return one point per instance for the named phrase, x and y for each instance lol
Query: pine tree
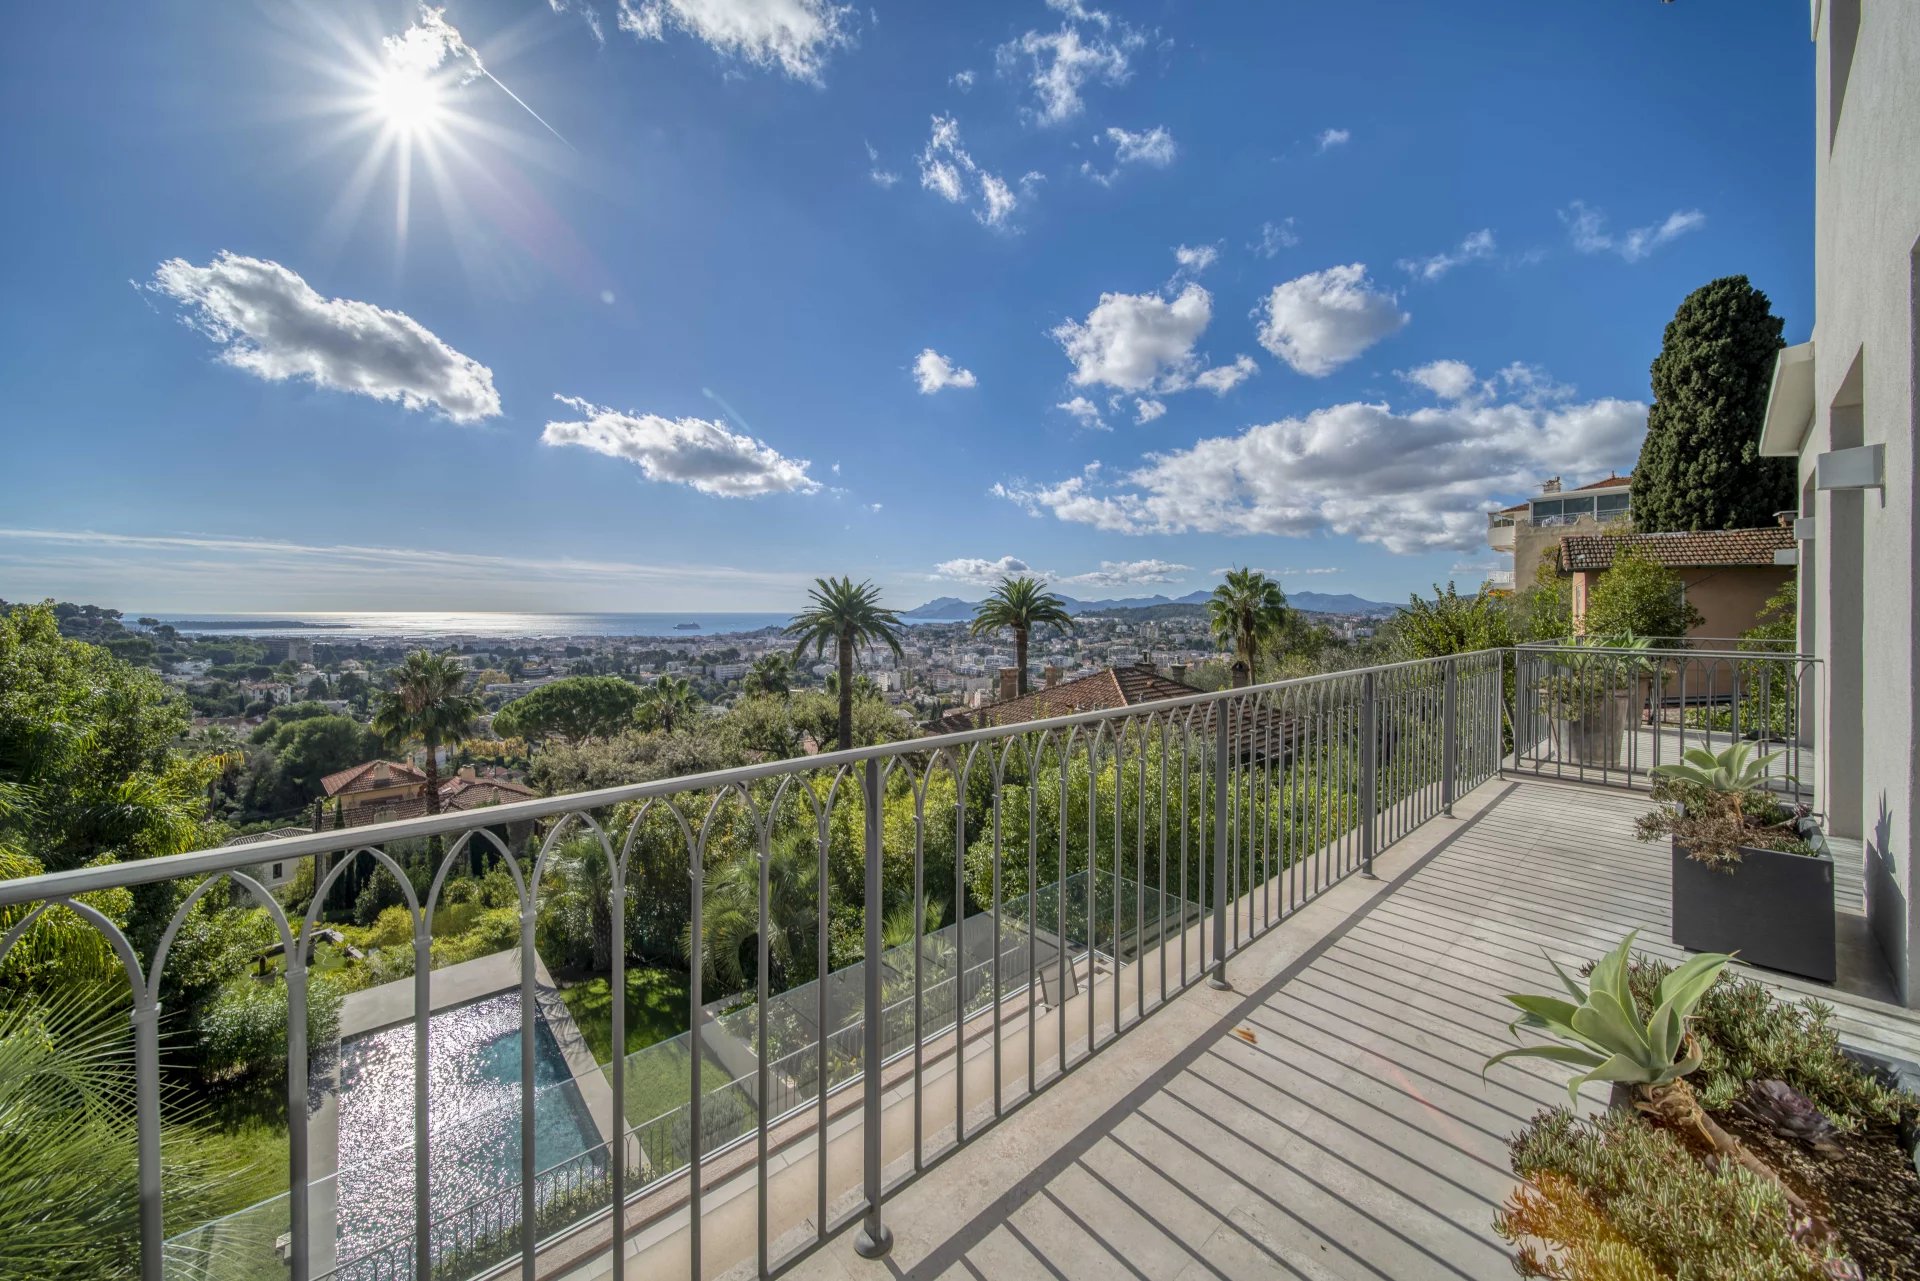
(1700, 467)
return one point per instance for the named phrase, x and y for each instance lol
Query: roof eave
(1789, 403)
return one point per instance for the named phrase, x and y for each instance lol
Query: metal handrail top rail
(82, 880)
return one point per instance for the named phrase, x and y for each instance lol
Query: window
(276, 873)
(1612, 506)
(1547, 508)
(1577, 507)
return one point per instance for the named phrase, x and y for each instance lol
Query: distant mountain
(952, 607)
(1344, 603)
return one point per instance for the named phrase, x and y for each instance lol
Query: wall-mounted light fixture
(1863, 467)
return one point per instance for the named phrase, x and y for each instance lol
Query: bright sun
(408, 102)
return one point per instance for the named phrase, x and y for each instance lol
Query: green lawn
(656, 1009)
(657, 1082)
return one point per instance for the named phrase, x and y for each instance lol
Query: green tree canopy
(1244, 611)
(86, 747)
(577, 709)
(846, 617)
(1019, 605)
(300, 754)
(425, 700)
(1638, 597)
(1700, 466)
(666, 702)
(1450, 624)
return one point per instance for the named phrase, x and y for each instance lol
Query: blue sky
(675, 304)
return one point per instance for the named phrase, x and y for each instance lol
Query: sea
(418, 626)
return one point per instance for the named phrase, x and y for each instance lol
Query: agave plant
(1607, 1036)
(1733, 772)
(1602, 1031)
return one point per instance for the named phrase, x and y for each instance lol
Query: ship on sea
(686, 627)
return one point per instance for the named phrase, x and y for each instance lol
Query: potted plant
(1749, 874)
(1588, 694)
(1741, 1139)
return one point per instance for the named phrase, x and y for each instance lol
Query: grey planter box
(1774, 909)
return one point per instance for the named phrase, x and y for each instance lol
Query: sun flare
(408, 103)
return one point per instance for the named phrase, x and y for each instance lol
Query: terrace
(1259, 934)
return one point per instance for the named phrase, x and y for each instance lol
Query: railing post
(1218, 978)
(1449, 731)
(874, 1239)
(1369, 772)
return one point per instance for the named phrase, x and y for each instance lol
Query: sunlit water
(473, 1084)
(346, 627)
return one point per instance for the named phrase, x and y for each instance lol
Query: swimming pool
(473, 1093)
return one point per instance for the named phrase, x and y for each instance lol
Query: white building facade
(1844, 405)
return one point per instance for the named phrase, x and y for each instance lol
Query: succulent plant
(1790, 1114)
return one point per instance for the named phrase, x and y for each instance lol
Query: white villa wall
(1861, 574)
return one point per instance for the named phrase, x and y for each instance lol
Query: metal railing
(1610, 715)
(1228, 809)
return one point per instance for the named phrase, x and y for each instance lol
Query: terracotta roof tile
(1608, 482)
(1677, 550)
(361, 777)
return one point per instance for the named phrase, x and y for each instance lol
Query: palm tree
(425, 699)
(847, 616)
(770, 674)
(667, 701)
(1021, 604)
(1245, 610)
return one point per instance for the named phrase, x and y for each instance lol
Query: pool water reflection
(473, 1092)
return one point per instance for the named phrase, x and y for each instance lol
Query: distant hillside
(952, 607)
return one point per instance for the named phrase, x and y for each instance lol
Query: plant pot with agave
(1740, 1142)
(1750, 875)
(1588, 694)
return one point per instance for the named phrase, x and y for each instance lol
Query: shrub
(1746, 1034)
(243, 1031)
(1656, 1209)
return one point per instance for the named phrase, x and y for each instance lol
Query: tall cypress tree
(1700, 467)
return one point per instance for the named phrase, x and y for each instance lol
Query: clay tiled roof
(362, 777)
(1608, 482)
(1116, 687)
(1678, 550)
(472, 793)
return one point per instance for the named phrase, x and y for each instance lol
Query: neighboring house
(371, 792)
(1726, 574)
(1259, 730)
(1531, 531)
(1843, 406)
(272, 875)
(382, 791)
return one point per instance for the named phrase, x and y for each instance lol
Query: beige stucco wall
(1731, 598)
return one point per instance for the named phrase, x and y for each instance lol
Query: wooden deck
(1327, 1118)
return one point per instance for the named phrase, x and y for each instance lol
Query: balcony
(1259, 935)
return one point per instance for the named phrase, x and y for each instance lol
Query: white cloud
(1084, 412)
(1587, 228)
(1194, 259)
(1079, 12)
(1154, 147)
(1061, 63)
(1447, 379)
(1320, 321)
(417, 53)
(276, 326)
(1222, 379)
(1145, 343)
(1128, 573)
(1133, 342)
(1275, 236)
(795, 35)
(981, 572)
(588, 14)
(962, 80)
(882, 176)
(933, 371)
(1331, 138)
(1476, 246)
(689, 451)
(1146, 409)
(949, 171)
(1277, 574)
(1408, 482)
(196, 571)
